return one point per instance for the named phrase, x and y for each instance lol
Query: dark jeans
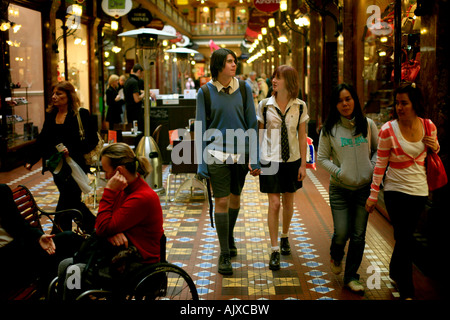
(350, 221)
(404, 211)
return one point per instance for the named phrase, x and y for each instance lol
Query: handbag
(436, 175)
(92, 156)
(409, 68)
(104, 261)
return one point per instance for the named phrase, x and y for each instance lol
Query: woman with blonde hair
(129, 211)
(114, 102)
(61, 128)
(129, 220)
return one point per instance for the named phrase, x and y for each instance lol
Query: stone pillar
(315, 74)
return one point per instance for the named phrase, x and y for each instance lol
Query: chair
(30, 211)
(188, 167)
(156, 132)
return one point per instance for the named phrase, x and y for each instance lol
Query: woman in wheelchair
(129, 224)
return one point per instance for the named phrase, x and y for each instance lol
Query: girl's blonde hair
(120, 154)
(112, 79)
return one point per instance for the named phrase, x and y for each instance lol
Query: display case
(20, 129)
(378, 71)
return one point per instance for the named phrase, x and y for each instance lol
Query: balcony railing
(218, 29)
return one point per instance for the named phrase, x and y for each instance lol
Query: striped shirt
(391, 153)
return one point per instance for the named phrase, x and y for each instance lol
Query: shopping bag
(79, 176)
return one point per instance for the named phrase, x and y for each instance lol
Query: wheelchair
(158, 281)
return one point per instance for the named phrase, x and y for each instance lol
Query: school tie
(226, 90)
(284, 137)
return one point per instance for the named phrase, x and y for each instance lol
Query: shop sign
(140, 17)
(117, 8)
(267, 5)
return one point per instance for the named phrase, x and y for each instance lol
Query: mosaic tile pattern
(304, 275)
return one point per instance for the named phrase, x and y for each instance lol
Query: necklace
(60, 118)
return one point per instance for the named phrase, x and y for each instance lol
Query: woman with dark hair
(403, 147)
(61, 127)
(282, 112)
(347, 150)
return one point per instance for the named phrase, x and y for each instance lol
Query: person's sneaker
(284, 246)
(355, 286)
(225, 264)
(233, 248)
(336, 266)
(274, 263)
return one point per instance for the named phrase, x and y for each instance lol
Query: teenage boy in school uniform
(223, 159)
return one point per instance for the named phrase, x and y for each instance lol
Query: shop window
(378, 70)
(241, 14)
(222, 20)
(205, 15)
(77, 60)
(26, 67)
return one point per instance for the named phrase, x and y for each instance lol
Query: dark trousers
(23, 261)
(404, 211)
(70, 198)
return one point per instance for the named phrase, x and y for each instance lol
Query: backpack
(207, 97)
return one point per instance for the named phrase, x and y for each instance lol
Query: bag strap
(207, 98)
(80, 126)
(265, 112)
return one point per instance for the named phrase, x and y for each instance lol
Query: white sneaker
(336, 267)
(355, 286)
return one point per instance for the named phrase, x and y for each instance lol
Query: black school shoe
(232, 247)
(274, 263)
(225, 267)
(285, 247)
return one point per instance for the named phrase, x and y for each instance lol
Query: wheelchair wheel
(165, 281)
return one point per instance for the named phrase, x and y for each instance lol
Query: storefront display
(25, 104)
(378, 71)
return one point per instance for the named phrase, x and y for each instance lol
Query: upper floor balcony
(218, 29)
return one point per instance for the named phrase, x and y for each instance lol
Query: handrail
(199, 29)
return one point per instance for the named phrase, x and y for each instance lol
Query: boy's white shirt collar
(234, 84)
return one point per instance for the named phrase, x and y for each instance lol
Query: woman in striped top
(403, 146)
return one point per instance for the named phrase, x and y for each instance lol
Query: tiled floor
(304, 275)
